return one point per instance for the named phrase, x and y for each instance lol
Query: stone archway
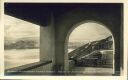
(65, 22)
(66, 57)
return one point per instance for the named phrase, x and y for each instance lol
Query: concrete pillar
(47, 41)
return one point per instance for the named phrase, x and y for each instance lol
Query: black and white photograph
(67, 39)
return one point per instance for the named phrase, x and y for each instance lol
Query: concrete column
(47, 41)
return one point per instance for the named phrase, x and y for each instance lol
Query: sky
(90, 31)
(16, 28)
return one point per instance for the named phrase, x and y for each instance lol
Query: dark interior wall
(109, 16)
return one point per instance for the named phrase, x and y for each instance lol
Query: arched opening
(90, 49)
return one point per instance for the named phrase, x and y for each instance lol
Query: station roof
(39, 13)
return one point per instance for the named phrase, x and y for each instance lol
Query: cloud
(16, 28)
(89, 32)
